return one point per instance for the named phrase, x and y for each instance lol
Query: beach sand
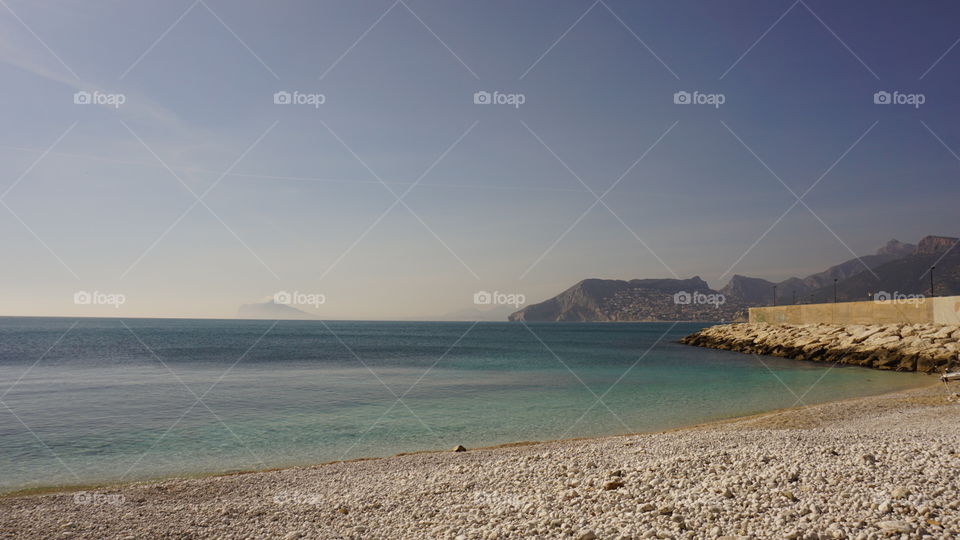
(875, 467)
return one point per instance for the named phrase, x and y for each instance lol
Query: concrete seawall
(928, 348)
(905, 310)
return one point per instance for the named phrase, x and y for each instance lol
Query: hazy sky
(303, 197)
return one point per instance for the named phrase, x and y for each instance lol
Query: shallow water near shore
(110, 400)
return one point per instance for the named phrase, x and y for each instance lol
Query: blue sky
(105, 198)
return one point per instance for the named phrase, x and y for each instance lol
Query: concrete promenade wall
(940, 310)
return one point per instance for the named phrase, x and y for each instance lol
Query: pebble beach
(877, 467)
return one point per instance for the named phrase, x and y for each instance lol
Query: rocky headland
(927, 348)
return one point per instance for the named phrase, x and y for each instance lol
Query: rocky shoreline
(866, 468)
(927, 348)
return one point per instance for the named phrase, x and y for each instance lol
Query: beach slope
(876, 467)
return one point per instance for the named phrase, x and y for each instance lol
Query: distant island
(271, 310)
(900, 267)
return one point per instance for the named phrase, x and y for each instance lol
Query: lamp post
(774, 295)
(834, 290)
(932, 294)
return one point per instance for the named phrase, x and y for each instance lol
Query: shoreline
(856, 468)
(73, 488)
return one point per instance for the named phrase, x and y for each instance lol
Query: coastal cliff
(927, 348)
(615, 300)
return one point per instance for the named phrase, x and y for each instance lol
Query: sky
(432, 150)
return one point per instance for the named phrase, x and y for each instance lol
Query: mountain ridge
(890, 268)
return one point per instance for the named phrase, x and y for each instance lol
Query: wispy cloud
(21, 50)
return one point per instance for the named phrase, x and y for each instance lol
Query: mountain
(271, 310)
(899, 265)
(582, 302)
(897, 248)
(932, 245)
(906, 275)
(609, 300)
(795, 290)
(748, 290)
(891, 251)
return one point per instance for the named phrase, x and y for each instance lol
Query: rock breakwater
(928, 348)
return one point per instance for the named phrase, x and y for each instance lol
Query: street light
(834, 290)
(931, 281)
(774, 295)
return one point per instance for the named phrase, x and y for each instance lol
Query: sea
(98, 401)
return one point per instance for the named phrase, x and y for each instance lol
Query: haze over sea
(109, 400)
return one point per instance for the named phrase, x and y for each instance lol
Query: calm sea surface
(105, 400)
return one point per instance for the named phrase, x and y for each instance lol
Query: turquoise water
(105, 402)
